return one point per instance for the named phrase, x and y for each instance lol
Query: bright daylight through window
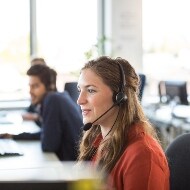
(166, 41)
(65, 31)
(68, 29)
(14, 48)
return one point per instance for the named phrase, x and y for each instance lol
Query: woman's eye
(91, 91)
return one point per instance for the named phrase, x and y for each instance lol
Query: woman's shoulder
(145, 148)
(140, 142)
(142, 159)
(144, 144)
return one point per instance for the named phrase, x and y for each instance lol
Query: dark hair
(53, 79)
(45, 74)
(38, 60)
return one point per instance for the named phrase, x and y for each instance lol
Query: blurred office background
(154, 35)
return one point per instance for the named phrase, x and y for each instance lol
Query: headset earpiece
(120, 97)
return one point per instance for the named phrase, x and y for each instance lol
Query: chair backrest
(142, 85)
(178, 154)
(71, 88)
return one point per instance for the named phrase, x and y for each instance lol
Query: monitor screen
(173, 91)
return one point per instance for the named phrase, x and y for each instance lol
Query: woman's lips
(85, 112)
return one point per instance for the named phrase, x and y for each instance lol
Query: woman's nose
(81, 99)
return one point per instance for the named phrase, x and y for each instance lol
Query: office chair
(178, 154)
(142, 78)
(71, 88)
(172, 90)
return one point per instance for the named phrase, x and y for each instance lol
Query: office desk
(33, 157)
(170, 121)
(37, 169)
(12, 122)
(34, 170)
(14, 105)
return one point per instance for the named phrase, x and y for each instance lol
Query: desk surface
(38, 166)
(14, 105)
(33, 157)
(42, 170)
(34, 163)
(12, 122)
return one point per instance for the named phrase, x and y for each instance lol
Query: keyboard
(9, 147)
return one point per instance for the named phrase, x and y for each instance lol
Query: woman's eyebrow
(87, 86)
(90, 85)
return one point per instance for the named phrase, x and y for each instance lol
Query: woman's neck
(106, 129)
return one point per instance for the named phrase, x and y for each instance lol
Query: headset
(120, 97)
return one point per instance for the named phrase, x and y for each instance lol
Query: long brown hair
(130, 112)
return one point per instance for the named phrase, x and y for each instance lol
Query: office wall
(123, 29)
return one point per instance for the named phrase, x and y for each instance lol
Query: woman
(119, 139)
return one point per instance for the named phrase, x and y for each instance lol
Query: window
(14, 48)
(166, 41)
(65, 31)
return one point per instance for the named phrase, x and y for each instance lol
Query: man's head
(39, 82)
(38, 61)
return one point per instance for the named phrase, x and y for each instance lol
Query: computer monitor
(175, 91)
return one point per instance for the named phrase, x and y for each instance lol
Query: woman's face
(95, 98)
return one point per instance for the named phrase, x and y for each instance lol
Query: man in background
(61, 118)
(32, 112)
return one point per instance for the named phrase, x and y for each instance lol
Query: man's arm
(22, 136)
(27, 136)
(51, 127)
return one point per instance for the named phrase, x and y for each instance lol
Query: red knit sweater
(142, 166)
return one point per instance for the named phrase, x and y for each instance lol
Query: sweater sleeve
(51, 127)
(61, 126)
(27, 136)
